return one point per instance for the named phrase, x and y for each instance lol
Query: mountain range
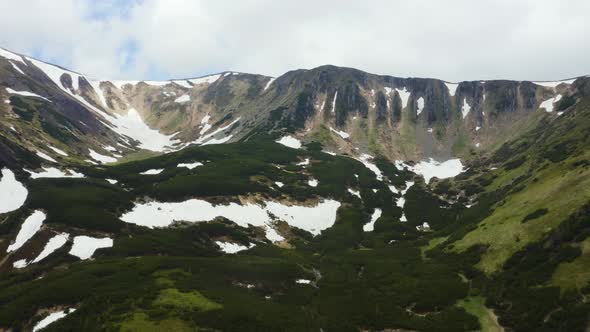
(327, 199)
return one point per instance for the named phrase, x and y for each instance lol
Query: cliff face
(413, 117)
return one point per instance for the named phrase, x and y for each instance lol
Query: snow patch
(190, 165)
(52, 172)
(290, 141)
(58, 151)
(132, 125)
(303, 281)
(152, 171)
(465, 108)
(232, 248)
(334, 102)
(85, 246)
(340, 133)
(25, 94)
(279, 184)
(452, 87)
(16, 67)
(442, 170)
(100, 157)
(11, 56)
(404, 95)
(51, 318)
(554, 84)
(52, 245)
(183, 99)
(269, 83)
(183, 83)
(548, 104)
(303, 163)
(12, 193)
(206, 79)
(313, 182)
(96, 86)
(112, 181)
(205, 140)
(45, 156)
(354, 192)
(313, 219)
(365, 159)
(30, 226)
(370, 226)
(420, 105)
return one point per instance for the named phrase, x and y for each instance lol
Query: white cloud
(453, 40)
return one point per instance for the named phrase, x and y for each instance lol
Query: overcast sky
(162, 39)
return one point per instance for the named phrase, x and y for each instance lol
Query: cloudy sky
(160, 39)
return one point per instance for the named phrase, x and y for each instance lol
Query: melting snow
(303, 163)
(273, 236)
(555, 83)
(370, 226)
(96, 86)
(401, 202)
(424, 227)
(313, 219)
(25, 94)
(232, 248)
(452, 87)
(51, 318)
(152, 171)
(548, 104)
(52, 245)
(206, 79)
(404, 95)
(12, 193)
(45, 156)
(354, 192)
(20, 264)
(205, 124)
(465, 108)
(52, 172)
(85, 246)
(133, 126)
(393, 189)
(11, 56)
(183, 83)
(100, 157)
(218, 140)
(206, 139)
(342, 134)
(29, 227)
(58, 151)
(442, 170)
(334, 102)
(290, 141)
(190, 165)
(364, 158)
(268, 83)
(183, 99)
(420, 105)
